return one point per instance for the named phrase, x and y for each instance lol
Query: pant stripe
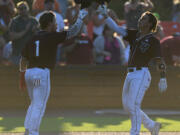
(31, 106)
(47, 95)
(44, 101)
(140, 86)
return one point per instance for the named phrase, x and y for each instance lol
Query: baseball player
(38, 58)
(145, 49)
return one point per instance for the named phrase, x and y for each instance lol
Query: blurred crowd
(95, 44)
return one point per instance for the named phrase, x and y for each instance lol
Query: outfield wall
(80, 87)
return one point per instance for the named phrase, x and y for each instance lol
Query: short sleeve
(59, 37)
(131, 36)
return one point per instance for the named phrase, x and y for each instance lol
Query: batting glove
(162, 85)
(82, 14)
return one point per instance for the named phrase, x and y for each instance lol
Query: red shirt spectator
(7, 10)
(38, 6)
(79, 50)
(170, 47)
(72, 13)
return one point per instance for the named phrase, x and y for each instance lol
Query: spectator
(90, 25)
(109, 49)
(21, 29)
(133, 10)
(3, 37)
(3, 30)
(170, 47)
(176, 11)
(159, 31)
(49, 5)
(38, 6)
(98, 22)
(72, 12)
(6, 54)
(79, 50)
(7, 10)
(63, 7)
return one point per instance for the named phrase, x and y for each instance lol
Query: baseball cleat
(155, 130)
(26, 132)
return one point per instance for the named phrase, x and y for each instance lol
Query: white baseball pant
(135, 86)
(38, 85)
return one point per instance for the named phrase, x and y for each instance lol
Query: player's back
(41, 50)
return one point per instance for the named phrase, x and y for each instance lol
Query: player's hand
(82, 14)
(162, 85)
(102, 9)
(22, 82)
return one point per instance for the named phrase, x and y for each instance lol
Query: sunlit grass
(67, 124)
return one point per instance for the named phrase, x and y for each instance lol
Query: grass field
(85, 124)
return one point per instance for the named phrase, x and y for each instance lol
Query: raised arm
(148, 4)
(112, 24)
(159, 63)
(76, 27)
(102, 9)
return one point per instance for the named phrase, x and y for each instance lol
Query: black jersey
(41, 50)
(143, 49)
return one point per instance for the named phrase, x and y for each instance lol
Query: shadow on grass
(63, 124)
(75, 124)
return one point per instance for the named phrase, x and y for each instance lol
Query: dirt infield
(95, 133)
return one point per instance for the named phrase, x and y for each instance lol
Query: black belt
(132, 69)
(37, 67)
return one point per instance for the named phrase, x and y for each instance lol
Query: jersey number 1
(37, 48)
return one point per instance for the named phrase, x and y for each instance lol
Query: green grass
(52, 124)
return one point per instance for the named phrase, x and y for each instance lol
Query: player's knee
(39, 106)
(125, 108)
(130, 108)
(137, 104)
